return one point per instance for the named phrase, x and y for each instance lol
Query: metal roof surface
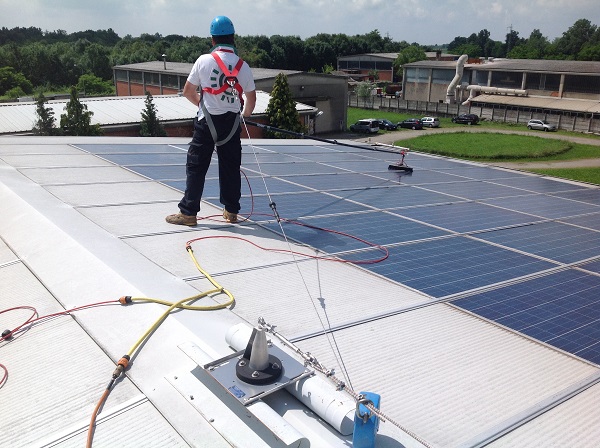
(184, 68)
(78, 227)
(20, 117)
(521, 65)
(576, 105)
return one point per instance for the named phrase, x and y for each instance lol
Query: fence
(569, 121)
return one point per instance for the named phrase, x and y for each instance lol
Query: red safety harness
(231, 80)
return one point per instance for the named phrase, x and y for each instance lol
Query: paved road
(391, 137)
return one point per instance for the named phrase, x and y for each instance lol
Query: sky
(427, 22)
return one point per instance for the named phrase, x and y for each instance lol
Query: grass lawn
(489, 146)
(590, 175)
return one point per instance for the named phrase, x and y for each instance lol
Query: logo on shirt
(218, 79)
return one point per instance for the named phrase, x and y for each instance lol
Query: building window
(383, 65)
(482, 78)
(367, 65)
(170, 81)
(582, 84)
(533, 81)
(152, 79)
(136, 77)
(121, 75)
(440, 76)
(541, 81)
(510, 80)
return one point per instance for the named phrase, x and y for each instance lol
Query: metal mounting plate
(223, 372)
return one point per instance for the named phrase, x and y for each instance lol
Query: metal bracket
(223, 371)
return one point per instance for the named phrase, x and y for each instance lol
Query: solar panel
(591, 221)
(552, 240)
(466, 216)
(395, 196)
(455, 265)
(538, 184)
(561, 309)
(590, 195)
(523, 229)
(475, 190)
(546, 206)
(359, 225)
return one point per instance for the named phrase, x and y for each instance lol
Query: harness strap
(230, 77)
(213, 129)
(231, 81)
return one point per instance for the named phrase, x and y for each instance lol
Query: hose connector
(121, 366)
(125, 300)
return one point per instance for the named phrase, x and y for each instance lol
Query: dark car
(411, 123)
(387, 125)
(466, 119)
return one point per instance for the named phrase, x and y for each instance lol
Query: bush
(14, 93)
(93, 85)
(11, 79)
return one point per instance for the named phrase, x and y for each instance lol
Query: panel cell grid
(562, 309)
(415, 215)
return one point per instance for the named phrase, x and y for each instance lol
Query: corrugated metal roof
(540, 65)
(521, 65)
(80, 229)
(184, 68)
(575, 105)
(20, 117)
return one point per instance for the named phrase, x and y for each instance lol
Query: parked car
(430, 122)
(540, 125)
(411, 123)
(368, 126)
(466, 119)
(387, 125)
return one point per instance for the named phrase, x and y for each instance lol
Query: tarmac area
(394, 136)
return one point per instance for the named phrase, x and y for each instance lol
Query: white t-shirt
(206, 73)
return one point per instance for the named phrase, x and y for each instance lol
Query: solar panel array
(520, 250)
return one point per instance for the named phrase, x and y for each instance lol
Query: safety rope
(311, 361)
(330, 337)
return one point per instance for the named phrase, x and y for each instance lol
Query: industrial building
(363, 66)
(327, 93)
(567, 91)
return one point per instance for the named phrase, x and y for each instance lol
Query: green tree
(575, 38)
(512, 40)
(93, 85)
(151, 127)
(412, 53)
(473, 50)
(11, 79)
(364, 90)
(327, 69)
(281, 111)
(535, 47)
(77, 120)
(45, 123)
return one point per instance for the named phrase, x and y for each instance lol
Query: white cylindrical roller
(337, 408)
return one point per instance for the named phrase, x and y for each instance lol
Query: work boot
(181, 219)
(229, 217)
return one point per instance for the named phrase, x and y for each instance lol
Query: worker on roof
(224, 80)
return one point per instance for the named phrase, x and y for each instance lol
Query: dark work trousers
(198, 160)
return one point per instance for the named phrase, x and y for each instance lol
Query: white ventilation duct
(475, 89)
(450, 93)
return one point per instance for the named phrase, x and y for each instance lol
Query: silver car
(540, 125)
(430, 122)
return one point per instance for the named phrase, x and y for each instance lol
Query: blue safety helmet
(221, 26)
